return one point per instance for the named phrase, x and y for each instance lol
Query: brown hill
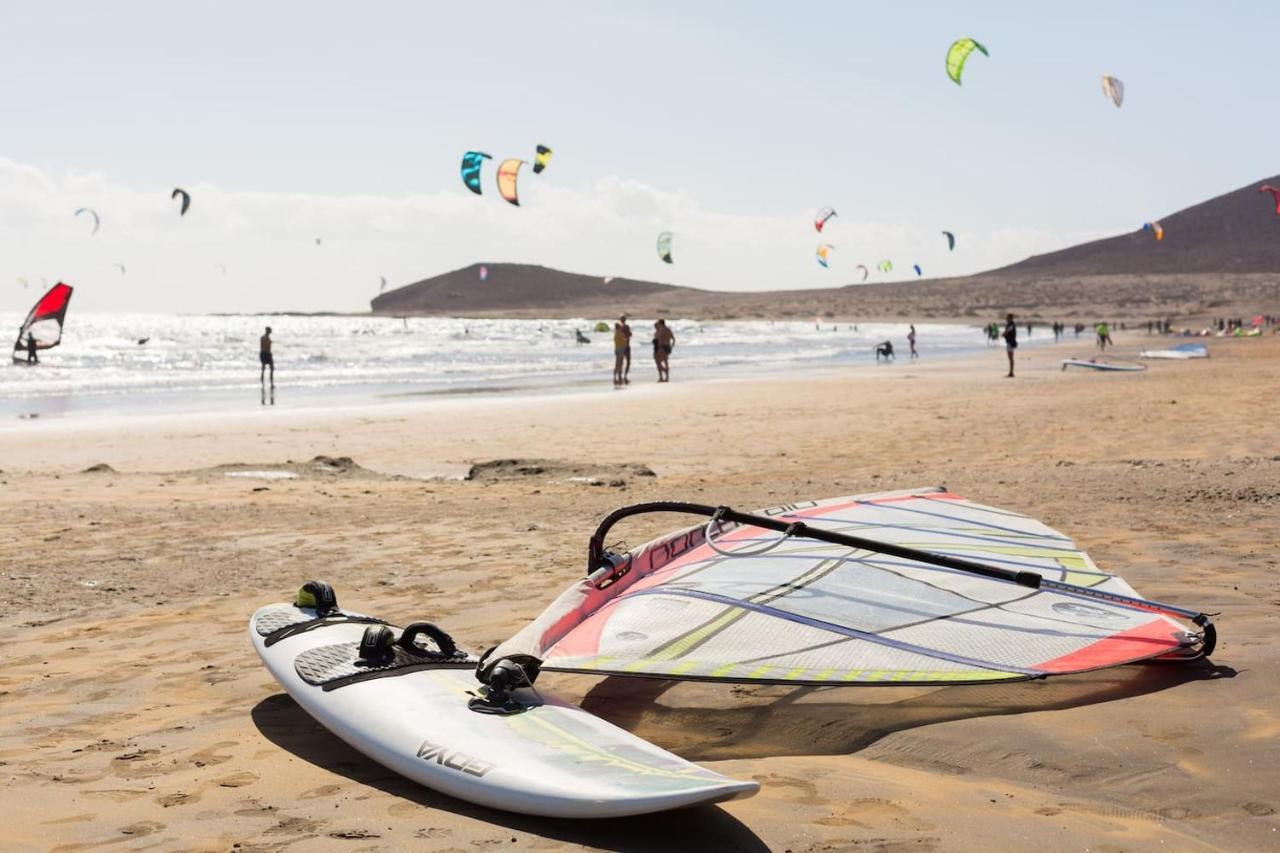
(516, 289)
(1238, 232)
(1220, 257)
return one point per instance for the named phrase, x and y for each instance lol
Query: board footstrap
(331, 667)
(279, 623)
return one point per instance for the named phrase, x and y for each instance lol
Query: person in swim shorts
(664, 340)
(621, 352)
(265, 357)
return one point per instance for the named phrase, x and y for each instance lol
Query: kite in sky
(951, 240)
(121, 268)
(508, 171)
(1275, 195)
(919, 272)
(664, 246)
(822, 217)
(958, 55)
(471, 163)
(96, 221)
(1113, 89)
(1155, 228)
(541, 159)
(384, 283)
(885, 266)
(824, 254)
(178, 192)
(865, 272)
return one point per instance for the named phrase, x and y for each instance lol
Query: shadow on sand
(282, 722)
(760, 721)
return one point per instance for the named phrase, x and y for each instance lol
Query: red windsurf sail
(45, 320)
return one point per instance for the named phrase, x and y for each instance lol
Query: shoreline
(329, 409)
(376, 392)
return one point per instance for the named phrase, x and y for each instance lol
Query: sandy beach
(135, 715)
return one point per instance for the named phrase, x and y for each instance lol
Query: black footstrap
(337, 618)
(379, 656)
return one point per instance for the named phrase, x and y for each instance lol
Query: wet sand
(134, 714)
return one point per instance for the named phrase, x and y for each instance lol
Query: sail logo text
(453, 759)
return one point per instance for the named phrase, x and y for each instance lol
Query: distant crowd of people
(664, 341)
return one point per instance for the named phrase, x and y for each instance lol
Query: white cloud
(267, 241)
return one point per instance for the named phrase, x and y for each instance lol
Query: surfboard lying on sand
(402, 698)
(1101, 365)
(1182, 352)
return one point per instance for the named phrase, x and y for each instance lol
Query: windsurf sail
(907, 587)
(44, 322)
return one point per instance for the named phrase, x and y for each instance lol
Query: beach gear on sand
(401, 697)
(1102, 365)
(1181, 351)
(915, 587)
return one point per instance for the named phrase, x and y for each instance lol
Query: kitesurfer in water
(32, 358)
(1010, 341)
(264, 356)
(621, 351)
(664, 340)
(911, 342)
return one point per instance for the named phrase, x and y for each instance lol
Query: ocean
(197, 363)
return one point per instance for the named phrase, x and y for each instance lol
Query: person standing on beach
(1104, 335)
(32, 358)
(265, 357)
(911, 342)
(621, 351)
(664, 340)
(1010, 341)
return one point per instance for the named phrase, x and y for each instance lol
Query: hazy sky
(729, 124)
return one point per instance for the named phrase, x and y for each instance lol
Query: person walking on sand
(621, 352)
(1104, 335)
(1010, 341)
(32, 358)
(265, 357)
(911, 342)
(664, 340)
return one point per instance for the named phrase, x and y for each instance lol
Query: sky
(729, 124)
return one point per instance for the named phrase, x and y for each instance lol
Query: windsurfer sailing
(1010, 341)
(264, 356)
(32, 358)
